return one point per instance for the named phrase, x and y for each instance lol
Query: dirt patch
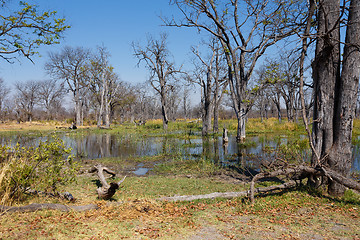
(36, 126)
(208, 232)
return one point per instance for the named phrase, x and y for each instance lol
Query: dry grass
(293, 215)
(34, 126)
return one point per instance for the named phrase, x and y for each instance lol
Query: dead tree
(225, 136)
(106, 191)
(245, 35)
(156, 57)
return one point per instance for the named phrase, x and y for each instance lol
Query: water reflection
(107, 145)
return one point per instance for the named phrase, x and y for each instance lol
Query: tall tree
(336, 81)
(102, 82)
(50, 94)
(123, 100)
(156, 57)
(24, 30)
(186, 101)
(246, 29)
(26, 98)
(210, 72)
(4, 91)
(69, 65)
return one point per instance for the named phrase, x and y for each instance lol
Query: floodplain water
(249, 154)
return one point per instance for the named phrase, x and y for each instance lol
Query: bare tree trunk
(185, 102)
(241, 134)
(326, 72)
(101, 110)
(206, 118)
(216, 116)
(164, 110)
(107, 105)
(218, 96)
(278, 108)
(77, 109)
(345, 102)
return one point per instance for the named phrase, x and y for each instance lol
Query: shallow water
(107, 145)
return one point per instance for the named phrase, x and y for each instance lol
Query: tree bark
(207, 102)
(107, 105)
(326, 73)
(335, 91)
(77, 107)
(101, 109)
(345, 102)
(164, 109)
(229, 194)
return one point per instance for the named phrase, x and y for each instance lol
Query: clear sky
(112, 23)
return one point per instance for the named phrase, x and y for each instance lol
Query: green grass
(135, 213)
(195, 167)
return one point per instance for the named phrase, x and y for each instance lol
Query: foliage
(26, 29)
(294, 150)
(38, 168)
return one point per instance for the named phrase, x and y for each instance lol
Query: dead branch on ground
(106, 191)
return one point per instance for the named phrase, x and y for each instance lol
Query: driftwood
(102, 127)
(106, 191)
(229, 194)
(49, 206)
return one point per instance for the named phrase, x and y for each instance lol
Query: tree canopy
(24, 30)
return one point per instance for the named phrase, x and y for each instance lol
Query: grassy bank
(253, 126)
(153, 127)
(136, 213)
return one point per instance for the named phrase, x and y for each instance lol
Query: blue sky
(112, 23)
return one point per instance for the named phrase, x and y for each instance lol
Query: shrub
(41, 168)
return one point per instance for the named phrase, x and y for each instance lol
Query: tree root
(300, 172)
(293, 173)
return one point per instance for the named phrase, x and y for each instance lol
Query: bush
(41, 168)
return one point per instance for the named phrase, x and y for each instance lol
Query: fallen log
(102, 127)
(46, 206)
(106, 191)
(229, 195)
(65, 195)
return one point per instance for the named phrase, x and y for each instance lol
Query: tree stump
(225, 136)
(106, 191)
